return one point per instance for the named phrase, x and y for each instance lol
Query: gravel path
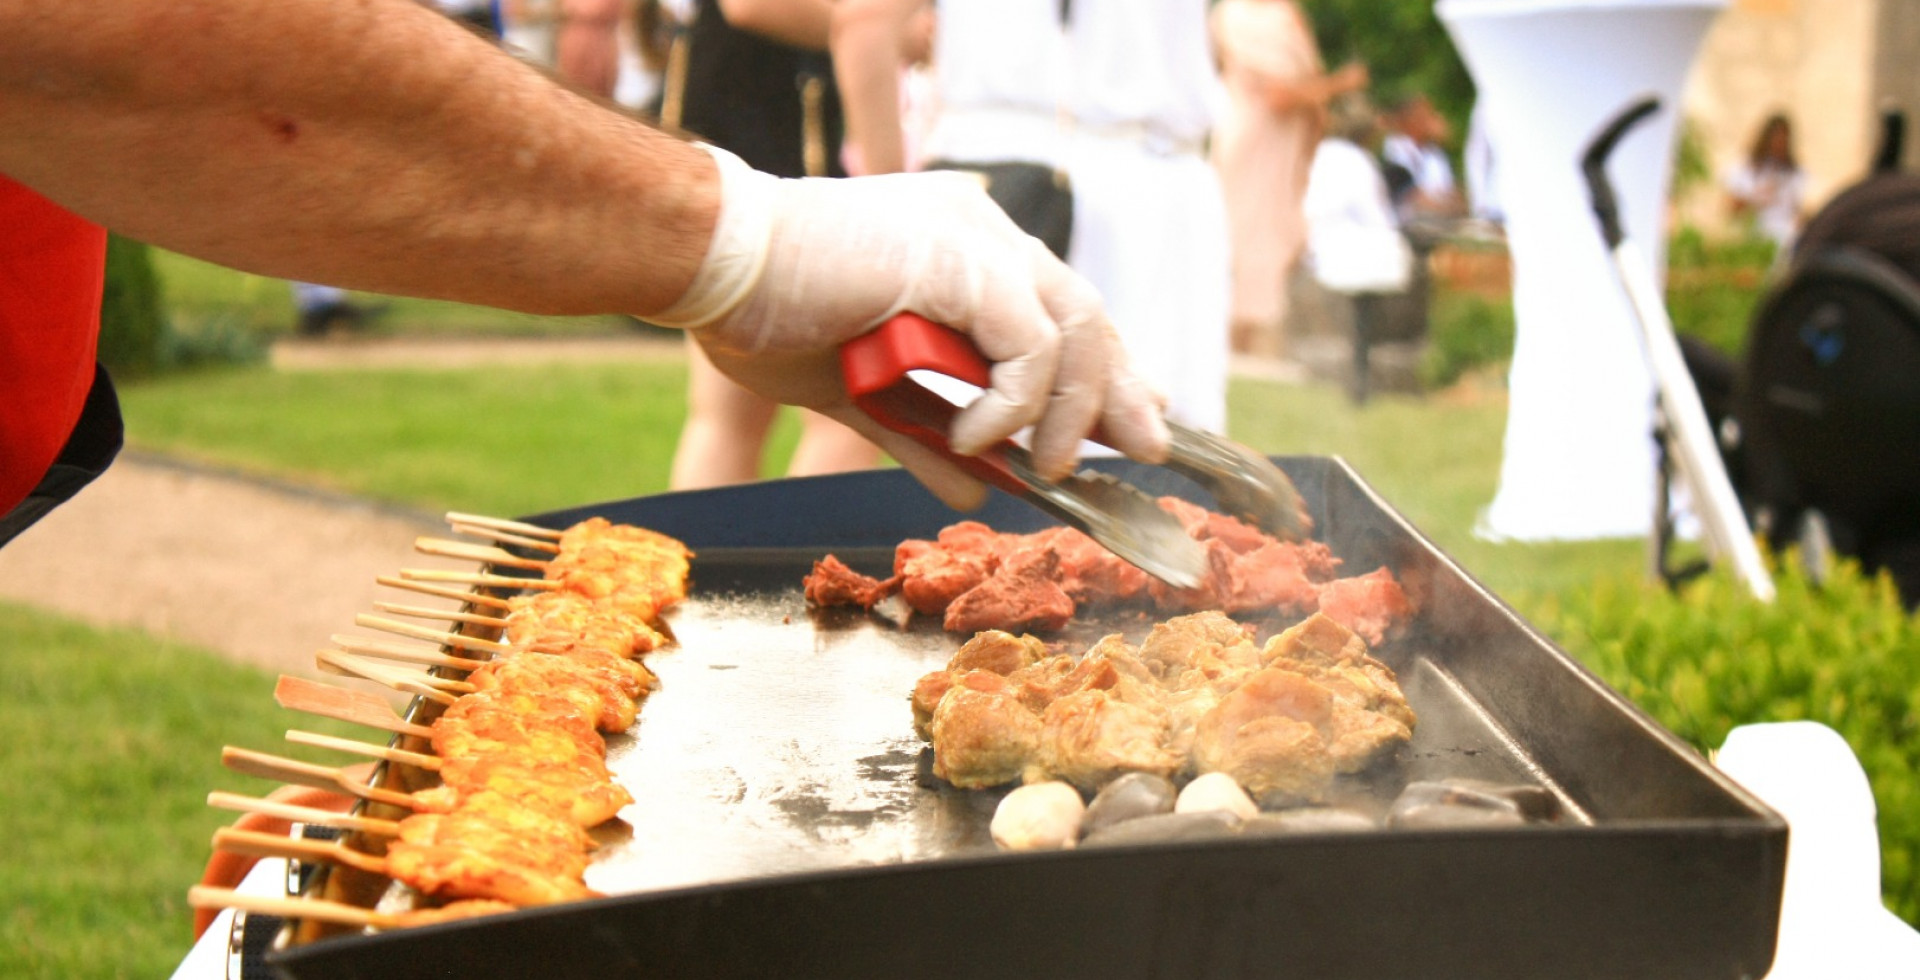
(258, 572)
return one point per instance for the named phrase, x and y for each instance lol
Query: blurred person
(482, 16)
(1355, 245)
(586, 44)
(319, 308)
(1768, 188)
(1119, 95)
(399, 154)
(757, 83)
(1277, 92)
(1419, 173)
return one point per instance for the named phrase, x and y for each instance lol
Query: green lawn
(201, 295)
(109, 743)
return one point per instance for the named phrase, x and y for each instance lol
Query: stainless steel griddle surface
(783, 829)
(781, 741)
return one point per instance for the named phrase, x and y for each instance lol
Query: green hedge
(1709, 658)
(133, 322)
(138, 339)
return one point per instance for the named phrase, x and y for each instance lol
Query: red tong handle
(874, 366)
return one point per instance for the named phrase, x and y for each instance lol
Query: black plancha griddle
(785, 826)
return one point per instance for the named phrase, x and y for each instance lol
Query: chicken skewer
(501, 524)
(339, 913)
(489, 848)
(516, 748)
(477, 598)
(547, 545)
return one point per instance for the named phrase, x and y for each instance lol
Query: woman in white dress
(1118, 93)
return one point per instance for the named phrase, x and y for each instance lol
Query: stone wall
(1829, 64)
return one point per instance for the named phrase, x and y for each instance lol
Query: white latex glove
(799, 267)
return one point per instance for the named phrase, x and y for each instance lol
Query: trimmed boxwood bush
(133, 325)
(1709, 658)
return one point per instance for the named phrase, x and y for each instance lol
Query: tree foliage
(1404, 46)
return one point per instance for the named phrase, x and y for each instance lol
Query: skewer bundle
(518, 749)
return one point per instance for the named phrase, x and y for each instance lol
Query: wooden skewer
(340, 704)
(303, 814)
(517, 527)
(403, 653)
(447, 615)
(317, 910)
(250, 763)
(368, 749)
(478, 578)
(459, 595)
(460, 640)
(253, 843)
(346, 664)
(503, 537)
(443, 548)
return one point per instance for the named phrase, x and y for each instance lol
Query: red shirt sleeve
(52, 266)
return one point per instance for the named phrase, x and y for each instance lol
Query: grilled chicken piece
(460, 870)
(1021, 594)
(990, 650)
(1197, 641)
(562, 621)
(585, 791)
(1089, 738)
(934, 573)
(611, 697)
(1089, 573)
(982, 734)
(1330, 653)
(1266, 734)
(639, 571)
(493, 847)
(1372, 605)
(832, 583)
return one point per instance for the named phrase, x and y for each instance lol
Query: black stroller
(1820, 426)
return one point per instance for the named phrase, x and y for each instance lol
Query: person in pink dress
(1277, 93)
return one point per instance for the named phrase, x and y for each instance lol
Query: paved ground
(261, 572)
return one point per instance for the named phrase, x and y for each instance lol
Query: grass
(203, 296)
(109, 741)
(499, 440)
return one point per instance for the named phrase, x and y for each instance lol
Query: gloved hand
(798, 267)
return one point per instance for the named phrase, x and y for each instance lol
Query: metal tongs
(1113, 512)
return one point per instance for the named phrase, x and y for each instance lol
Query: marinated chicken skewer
(490, 847)
(339, 913)
(502, 524)
(546, 765)
(458, 595)
(590, 660)
(518, 747)
(548, 545)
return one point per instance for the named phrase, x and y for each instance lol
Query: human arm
(375, 145)
(587, 49)
(372, 145)
(800, 23)
(870, 40)
(1314, 91)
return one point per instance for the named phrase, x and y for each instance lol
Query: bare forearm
(800, 23)
(868, 45)
(366, 143)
